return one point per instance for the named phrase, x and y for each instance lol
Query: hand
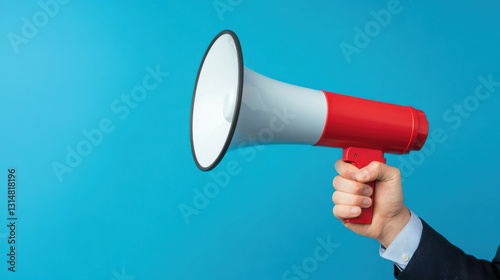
(390, 215)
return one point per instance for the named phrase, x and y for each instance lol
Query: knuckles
(375, 165)
(348, 186)
(395, 171)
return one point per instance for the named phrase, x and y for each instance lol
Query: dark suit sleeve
(436, 258)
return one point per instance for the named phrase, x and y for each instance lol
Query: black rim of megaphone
(238, 100)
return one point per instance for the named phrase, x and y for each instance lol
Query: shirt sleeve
(405, 244)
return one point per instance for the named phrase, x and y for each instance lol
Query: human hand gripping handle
(352, 194)
(360, 158)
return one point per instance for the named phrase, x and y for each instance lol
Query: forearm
(436, 258)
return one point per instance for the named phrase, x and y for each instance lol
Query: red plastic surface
(363, 123)
(360, 158)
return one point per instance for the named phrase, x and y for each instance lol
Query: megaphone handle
(361, 157)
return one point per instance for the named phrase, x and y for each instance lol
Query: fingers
(343, 212)
(352, 194)
(349, 205)
(377, 171)
(349, 186)
(349, 196)
(347, 199)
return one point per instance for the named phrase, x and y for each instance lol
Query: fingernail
(367, 192)
(366, 202)
(354, 210)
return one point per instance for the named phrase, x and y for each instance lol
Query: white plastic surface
(215, 100)
(273, 112)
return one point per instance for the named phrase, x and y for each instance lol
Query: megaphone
(233, 104)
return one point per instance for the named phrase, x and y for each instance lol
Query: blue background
(116, 215)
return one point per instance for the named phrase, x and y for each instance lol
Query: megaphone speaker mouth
(216, 100)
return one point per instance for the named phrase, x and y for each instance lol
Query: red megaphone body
(366, 129)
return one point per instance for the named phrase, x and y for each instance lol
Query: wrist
(394, 227)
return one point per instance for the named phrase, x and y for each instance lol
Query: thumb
(377, 171)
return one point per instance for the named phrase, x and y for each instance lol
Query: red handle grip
(360, 158)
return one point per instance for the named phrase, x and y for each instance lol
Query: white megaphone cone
(234, 107)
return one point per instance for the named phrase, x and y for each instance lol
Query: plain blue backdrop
(114, 213)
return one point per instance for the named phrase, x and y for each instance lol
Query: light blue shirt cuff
(405, 244)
